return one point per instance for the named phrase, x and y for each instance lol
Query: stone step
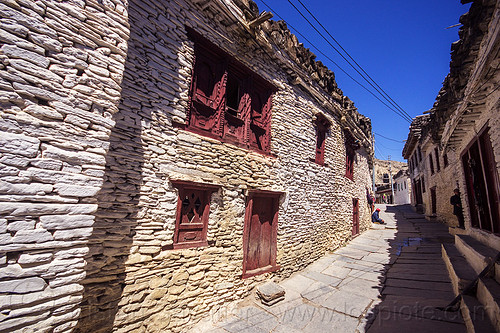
(474, 315)
(477, 254)
(459, 270)
(488, 293)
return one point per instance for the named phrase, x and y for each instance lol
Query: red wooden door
(355, 217)
(260, 233)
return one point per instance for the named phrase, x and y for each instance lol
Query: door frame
(489, 181)
(275, 196)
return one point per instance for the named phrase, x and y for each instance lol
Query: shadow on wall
(119, 207)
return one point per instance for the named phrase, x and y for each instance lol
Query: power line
(359, 66)
(393, 149)
(401, 114)
(398, 141)
(327, 57)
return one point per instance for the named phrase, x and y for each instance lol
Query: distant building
(384, 169)
(402, 188)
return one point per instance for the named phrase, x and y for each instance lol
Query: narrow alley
(389, 279)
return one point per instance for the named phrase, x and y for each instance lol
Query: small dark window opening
(233, 95)
(445, 160)
(350, 155)
(436, 152)
(431, 164)
(386, 178)
(423, 184)
(192, 214)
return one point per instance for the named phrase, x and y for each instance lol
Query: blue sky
(402, 44)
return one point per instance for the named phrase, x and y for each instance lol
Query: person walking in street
(376, 218)
(457, 208)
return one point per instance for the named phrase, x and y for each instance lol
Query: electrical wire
(327, 57)
(401, 114)
(381, 91)
(338, 66)
(398, 141)
(393, 149)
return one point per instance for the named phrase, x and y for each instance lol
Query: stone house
(159, 159)
(402, 188)
(456, 145)
(385, 170)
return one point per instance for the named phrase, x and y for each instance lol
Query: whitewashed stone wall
(89, 91)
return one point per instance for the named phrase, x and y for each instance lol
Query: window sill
(229, 141)
(313, 160)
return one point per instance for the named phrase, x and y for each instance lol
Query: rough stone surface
(270, 291)
(94, 98)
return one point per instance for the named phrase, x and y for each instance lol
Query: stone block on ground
(270, 293)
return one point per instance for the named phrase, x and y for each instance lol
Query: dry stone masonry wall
(61, 67)
(90, 94)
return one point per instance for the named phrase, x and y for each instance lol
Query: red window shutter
(322, 126)
(237, 104)
(350, 155)
(207, 91)
(193, 208)
(260, 116)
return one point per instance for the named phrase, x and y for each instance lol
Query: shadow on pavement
(416, 280)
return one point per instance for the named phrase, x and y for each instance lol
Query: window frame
(248, 128)
(350, 154)
(184, 187)
(438, 166)
(322, 128)
(445, 160)
(431, 163)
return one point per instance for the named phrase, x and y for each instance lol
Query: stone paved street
(389, 279)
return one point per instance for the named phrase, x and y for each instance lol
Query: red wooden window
(350, 147)
(322, 126)
(193, 207)
(228, 101)
(260, 117)
(207, 92)
(260, 233)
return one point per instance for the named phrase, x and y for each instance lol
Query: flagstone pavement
(390, 278)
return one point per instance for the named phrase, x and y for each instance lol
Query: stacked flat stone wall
(445, 181)
(90, 92)
(61, 67)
